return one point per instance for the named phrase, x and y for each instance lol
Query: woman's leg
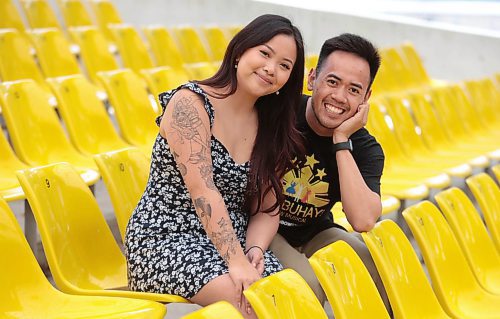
(221, 288)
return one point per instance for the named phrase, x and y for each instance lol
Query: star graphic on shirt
(311, 161)
(321, 173)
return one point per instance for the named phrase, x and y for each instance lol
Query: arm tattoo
(182, 167)
(188, 125)
(204, 207)
(206, 173)
(225, 237)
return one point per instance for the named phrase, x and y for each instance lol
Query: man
(343, 161)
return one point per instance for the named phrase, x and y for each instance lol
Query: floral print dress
(167, 248)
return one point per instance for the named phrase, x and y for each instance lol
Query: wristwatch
(342, 146)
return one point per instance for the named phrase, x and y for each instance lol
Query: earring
(236, 63)
(278, 92)
(236, 66)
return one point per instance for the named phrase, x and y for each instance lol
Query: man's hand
(351, 125)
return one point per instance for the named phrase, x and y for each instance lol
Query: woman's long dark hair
(277, 142)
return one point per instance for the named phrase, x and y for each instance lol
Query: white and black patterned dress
(166, 246)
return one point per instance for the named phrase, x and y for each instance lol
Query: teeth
(333, 109)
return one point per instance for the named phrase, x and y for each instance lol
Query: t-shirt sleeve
(369, 157)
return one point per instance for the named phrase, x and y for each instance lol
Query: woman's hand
(243, 275)
(256, 258)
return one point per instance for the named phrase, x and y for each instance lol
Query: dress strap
(165, 97)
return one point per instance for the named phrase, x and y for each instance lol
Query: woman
(210, 210)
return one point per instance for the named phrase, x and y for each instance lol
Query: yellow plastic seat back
(414, 63)
(40, 14)
(74, 13)
(133, 110)
(10, 17)
(471, 234)
(232, 30)
(16, 61)
(26, 293)
(80, 248)
(216, 40)
(164, 78)
(54, 54)
(94, 51)
(85, 116)
(452, 279)
(496, 170)
(105, 14)
(346, 282)
(190, 45)
(408, 289)
(221, 309)
(9, 164)
(487, 194)
(163, 47)
(35, 131)
(125, 174)
(284, 295)
(132, 49)
(200, 71)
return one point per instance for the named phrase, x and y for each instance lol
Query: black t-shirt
(313, 187)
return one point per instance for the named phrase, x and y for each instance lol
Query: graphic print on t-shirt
(306, 194)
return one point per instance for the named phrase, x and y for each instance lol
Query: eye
(354, 90)
(286, 66)
(264, 53)
(331, 82)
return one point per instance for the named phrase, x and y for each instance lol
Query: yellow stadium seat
(452, 279)
(487, 194)
(10, 189)
(132, 49)
(221, 309)
(162, 79)
(16, 61)
(397, 165)
(200, 71)
(216, 40)
(163, 47)
(284, 295)
(105, 14)
(83, 256)
(471, 234)
(54, 53)
(35, 131)
(480, 103)
(413, 146)
(10, 17)
(434, 135)
(125, 174)
(347, 283)
(232, 30)
(26, 293)
(40, 14)
(85, 117)
(94, 51)
(401, 76)
(190, 45)
(409, 291)
(445, 107)
(414, 63)
(496, 171)
(311, 62)
(133, 110)
(74, 13)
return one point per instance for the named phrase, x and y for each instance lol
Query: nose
(339, 95)
(269, 68)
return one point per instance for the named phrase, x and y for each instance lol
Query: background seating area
(79, 85)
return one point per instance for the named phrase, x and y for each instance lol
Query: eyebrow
(272, 50)
(332, 75)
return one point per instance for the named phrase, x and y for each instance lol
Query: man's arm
(361, 205)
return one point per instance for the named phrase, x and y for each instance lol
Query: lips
(264, 79)
(332, 109)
